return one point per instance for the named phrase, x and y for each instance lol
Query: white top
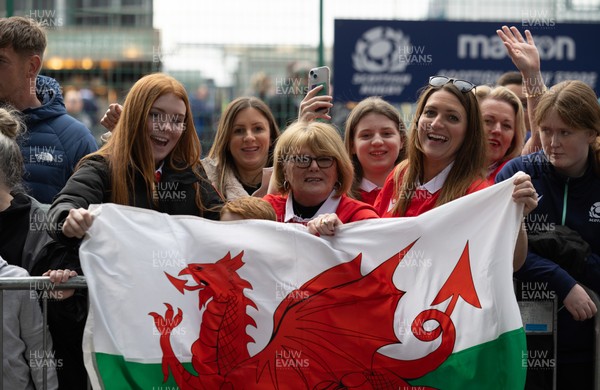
(159, 169)
(435, 184)
(432, 186)
(367, 185)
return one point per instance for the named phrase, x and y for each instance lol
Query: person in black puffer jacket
(151, 161)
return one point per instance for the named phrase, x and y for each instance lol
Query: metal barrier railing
(596, 300)
(38, 283)
(541, 320)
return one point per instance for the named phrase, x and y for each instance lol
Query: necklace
(256, 180)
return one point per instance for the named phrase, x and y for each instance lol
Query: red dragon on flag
(326, 334)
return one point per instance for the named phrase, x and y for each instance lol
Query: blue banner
(394, 58)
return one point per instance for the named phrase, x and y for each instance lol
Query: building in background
(515, 10)
(103, 46)
(100, 47)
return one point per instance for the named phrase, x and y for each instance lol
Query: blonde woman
(313, 173)
(504, 124)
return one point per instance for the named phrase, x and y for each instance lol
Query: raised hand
(315, 106)
(111, 116)
(524, 53)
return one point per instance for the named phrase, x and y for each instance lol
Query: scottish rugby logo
(378, 51)
(595, 212)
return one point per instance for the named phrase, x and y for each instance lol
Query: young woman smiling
(374, 138)
(242, 148)
(446, 157)
(154, 143)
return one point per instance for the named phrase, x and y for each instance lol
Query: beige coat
(233, 187)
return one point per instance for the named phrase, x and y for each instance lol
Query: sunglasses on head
(462, 85)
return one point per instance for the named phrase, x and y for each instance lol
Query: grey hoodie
(23, 334)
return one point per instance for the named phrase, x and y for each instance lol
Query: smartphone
(320, 76)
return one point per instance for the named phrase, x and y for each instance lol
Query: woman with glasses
(504, 124)
(374, 138)
(312, 174)
(446, 157)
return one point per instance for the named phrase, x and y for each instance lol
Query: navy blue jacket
(53, 144)
(579, 200)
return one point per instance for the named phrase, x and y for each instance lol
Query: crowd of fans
(462, 138)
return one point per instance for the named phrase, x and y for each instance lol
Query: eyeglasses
(462, 85)
(304, 161)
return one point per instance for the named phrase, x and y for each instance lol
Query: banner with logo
(394, 58)
(385, 304)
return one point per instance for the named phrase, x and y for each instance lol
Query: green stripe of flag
(497, 364)
(119, 374)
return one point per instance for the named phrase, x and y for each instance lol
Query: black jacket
(176, 194)
(23, 231)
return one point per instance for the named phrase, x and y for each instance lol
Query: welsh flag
(406, 303)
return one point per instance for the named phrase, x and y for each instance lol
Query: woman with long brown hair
(446, 157)
(151, 161)
(243, 146)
